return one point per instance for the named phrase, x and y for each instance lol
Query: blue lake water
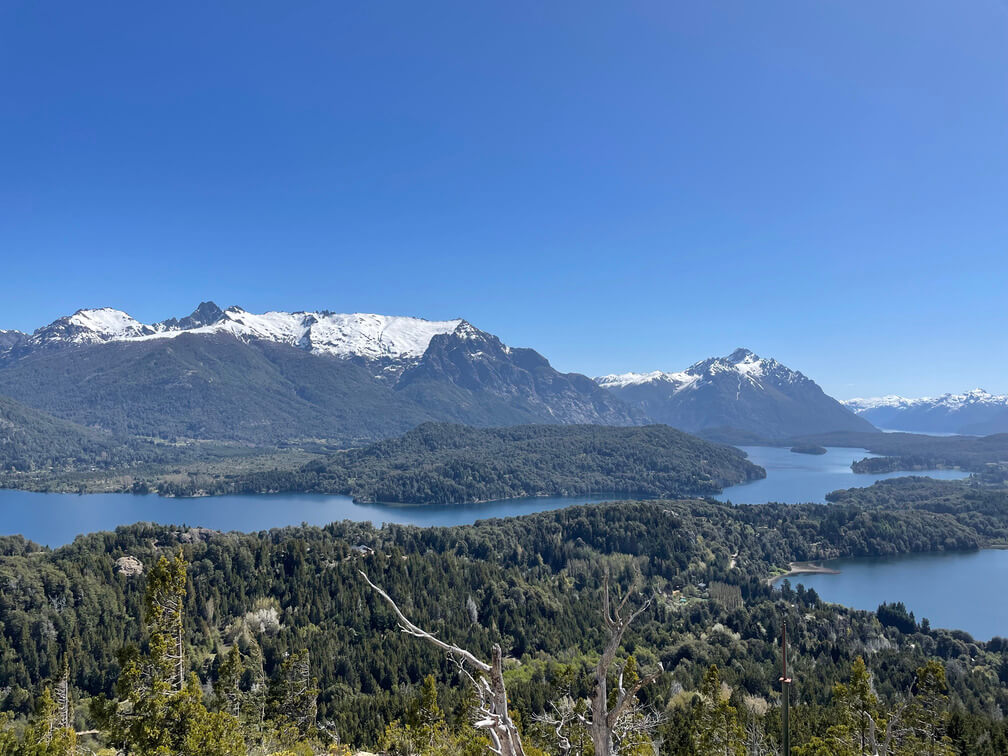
(55, 519)
(798, 478)
(952, 589)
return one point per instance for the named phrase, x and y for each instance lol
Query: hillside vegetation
(255, 605)
(453, 464)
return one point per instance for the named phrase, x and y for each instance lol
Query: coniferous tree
(156, 714)
(716, 727)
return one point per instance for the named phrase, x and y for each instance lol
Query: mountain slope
(209, 386)
(740, 392)
(10, 339)
(268, 379)
(471, 376)
(973, 413)
(30, 439)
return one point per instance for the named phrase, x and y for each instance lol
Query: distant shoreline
(802, 568)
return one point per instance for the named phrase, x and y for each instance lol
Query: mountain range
(721, 396)
(278, 377)
(975, 413)
(288, 377)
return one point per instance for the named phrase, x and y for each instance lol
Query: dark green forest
(440, 463)
(532, 585)
(911, 451)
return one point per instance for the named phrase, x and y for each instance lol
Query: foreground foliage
(293, 650)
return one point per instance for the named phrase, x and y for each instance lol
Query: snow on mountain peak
(952, 402)
(622, 380)
(108, 323)
(369, 336)
(742, 361)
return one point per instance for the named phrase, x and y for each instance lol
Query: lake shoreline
(802, 568)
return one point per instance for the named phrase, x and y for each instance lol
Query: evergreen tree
(156, 715)
(928, 715)
(47, 734)
(717, 730)
(294, 697)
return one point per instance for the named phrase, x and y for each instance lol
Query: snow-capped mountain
(394, 340)
(976, 412)
(741, 392)
(280, 376)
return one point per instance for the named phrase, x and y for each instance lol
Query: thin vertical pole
(785, 682)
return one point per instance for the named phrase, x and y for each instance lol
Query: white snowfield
(742, 362)
(372, 337)
(622, 380)
(946, 401)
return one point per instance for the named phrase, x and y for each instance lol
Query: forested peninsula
(441, 463)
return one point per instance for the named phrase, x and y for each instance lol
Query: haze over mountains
(975, 413)
(279, 377)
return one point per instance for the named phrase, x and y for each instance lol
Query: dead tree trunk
(606, 719)
(61, 694)
(488, 679)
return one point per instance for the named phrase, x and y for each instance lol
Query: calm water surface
(798, 478)
(54, 519)
(955, 590)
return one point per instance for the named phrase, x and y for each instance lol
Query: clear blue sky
(623, 186)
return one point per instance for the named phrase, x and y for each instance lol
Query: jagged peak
(743, 361)
(741, 354)
(364, 335)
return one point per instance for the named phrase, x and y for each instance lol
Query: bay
(798, 478)
(951, 589)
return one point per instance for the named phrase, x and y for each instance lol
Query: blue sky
(623, 186)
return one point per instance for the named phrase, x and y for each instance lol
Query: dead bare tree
(563, 716)
(61, 695)
(487, 679)
(609, 724)
(894, 731)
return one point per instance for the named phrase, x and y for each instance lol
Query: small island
(808, 449)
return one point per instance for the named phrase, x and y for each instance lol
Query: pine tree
(294, 698)
(717, 730)
(46, 735)
(227, 688)
(928, 714)
(160, 712)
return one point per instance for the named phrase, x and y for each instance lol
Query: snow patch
(950, 402)
(372, 337)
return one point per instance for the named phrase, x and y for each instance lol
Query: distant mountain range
(278, 377)
(973, 413)
(291, 377)
(723, 396)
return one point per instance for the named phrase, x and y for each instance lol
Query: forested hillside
(454, 464)
(32, 440)
(292, 604)
(912, 451)
(208, 387)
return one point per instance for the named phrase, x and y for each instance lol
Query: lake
(55, 519)
(952, 589)
(798, 478)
